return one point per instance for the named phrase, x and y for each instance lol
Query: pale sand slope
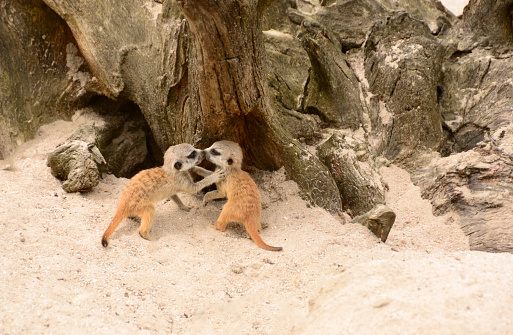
(191, 279)
(455, 6)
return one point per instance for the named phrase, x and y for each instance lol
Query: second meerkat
(152, 185)
(244, 204)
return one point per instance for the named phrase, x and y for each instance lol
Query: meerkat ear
(178, 165)
(229, 161)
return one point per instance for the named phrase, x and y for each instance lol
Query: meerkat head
(225, 153)
(181, 157)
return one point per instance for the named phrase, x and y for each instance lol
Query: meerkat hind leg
(222, 221)
(146, 215)
(180, 204)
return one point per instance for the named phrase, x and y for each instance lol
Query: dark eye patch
(230, 161)
(215, 152)
(192, 155)
(178, 165)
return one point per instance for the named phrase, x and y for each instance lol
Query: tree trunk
(229, 97)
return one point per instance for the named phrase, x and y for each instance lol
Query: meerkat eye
(229, 161)
(214, 152)
(192, 155)
(178, 165)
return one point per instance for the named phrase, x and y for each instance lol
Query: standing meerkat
(244, 203)
(152, 185)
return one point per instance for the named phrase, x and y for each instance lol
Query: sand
(191, 279)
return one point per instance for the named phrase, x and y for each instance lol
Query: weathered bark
(359, 182)
(124, 138)
(89, 29)
(77, 162)
(226, 70)
(351, 20)
(474, 181)
(476, 98)
(332, 91)
(114, 138)
(485, 23)
(143, 53)
(136, 51)
(275, 17)
(229, 94)
(403, 66)
(379, 220)
(287, 74)
(42, 74)
(477, 185)
(432, 12)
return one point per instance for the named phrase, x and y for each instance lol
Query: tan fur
(244, 203)
(152, 185)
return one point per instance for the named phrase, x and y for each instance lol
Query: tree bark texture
(42, 76)
(403, 66)
(77, 161)
(228, 90)
(478, 186)
(332, 91)
(354, 170)
(485, 23)
(378, 219)
(225, 66)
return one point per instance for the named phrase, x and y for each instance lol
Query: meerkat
(152, 185)
(244, 204)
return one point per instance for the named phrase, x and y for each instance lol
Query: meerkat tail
(258, 240)
(118, 217)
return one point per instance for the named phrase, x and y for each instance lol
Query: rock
(379, 220)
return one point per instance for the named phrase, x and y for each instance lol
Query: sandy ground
(455, 6)
(329, 279)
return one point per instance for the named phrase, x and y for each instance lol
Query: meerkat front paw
(220, 227)
(219, 174)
